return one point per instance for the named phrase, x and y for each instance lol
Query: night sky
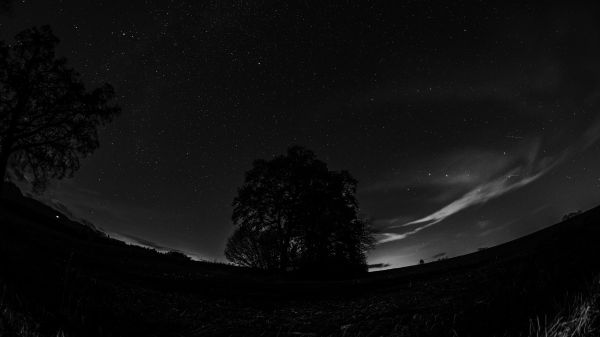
(466, 124)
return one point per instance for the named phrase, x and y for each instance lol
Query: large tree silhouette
(48, 120)
(292, 212)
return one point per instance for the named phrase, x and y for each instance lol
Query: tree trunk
(285, 261)
(283, 258)
(282, 253)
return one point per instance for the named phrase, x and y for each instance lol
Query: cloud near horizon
(526, 168)
(527, 172)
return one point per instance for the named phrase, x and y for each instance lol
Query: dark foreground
(59, 277)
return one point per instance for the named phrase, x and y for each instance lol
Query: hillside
(59, 275)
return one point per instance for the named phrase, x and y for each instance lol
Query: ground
(61, 277)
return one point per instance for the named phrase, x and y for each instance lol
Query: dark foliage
(178, 255)
(48, 120)
(293, 213)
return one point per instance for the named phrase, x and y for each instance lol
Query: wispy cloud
(528, 169)
(592, 134)
(527, 172)
(479, 195)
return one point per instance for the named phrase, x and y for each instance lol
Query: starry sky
(467, 124)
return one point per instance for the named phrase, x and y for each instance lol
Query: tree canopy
(48, 120)
(292, 212)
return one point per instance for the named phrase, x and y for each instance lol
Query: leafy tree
(252, 248)
(292, 212)
(48, 120)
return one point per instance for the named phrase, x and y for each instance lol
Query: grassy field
(61, 278)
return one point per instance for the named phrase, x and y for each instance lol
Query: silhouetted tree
(48, 120)
(421, 261)
(292, 212)
(253, 248)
